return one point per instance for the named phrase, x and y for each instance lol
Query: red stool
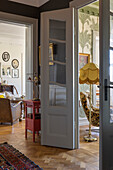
(32, 120)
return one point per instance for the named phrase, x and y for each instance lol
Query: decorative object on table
(6, 71)
(10, 158)
(22, 97)
(83, 59)
(35, 79)
(5, 56)
(89, 74)
(15, 73)
(15, 63)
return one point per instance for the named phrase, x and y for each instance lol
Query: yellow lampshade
(89, 74)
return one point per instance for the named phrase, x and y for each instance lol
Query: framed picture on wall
(15, 73)
(15, 63)
(6, 71)
(5, 56)
(83, 59)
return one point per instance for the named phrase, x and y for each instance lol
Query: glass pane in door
(57, 95)
(57, 63)
(111, 84)
(57, 29)
(111, 31)
(111, 61)
(57, 73)
(111, 5)
(57, 51)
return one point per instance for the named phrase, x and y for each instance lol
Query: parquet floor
(49, 158)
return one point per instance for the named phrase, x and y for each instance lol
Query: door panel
(106, 82)
(57, 79)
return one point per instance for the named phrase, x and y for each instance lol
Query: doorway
(51, 76)
(86, 15)
(12, 69)
(88, 53)
(22, 50)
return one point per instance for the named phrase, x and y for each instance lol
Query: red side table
(32, 120)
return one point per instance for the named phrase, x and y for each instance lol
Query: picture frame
(6, 71)
(5, 56)
(15, 73)
(15, 63)
(50, 54)
(83, 59)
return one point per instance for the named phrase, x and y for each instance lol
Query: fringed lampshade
(89, 74)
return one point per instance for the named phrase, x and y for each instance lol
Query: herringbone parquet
(49, 158)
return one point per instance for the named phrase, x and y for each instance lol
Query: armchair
(94, 111)
(10, 111)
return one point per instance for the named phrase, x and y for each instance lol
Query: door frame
(76, 5)
(26, 21)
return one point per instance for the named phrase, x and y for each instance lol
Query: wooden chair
(32, 120)
(94, 111)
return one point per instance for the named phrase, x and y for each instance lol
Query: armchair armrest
(16, 108)
(15, 103)
(95, 109)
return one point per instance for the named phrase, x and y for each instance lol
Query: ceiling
(35, 3)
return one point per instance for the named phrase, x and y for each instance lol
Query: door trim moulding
(81, 3)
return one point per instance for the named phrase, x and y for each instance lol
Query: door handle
(109, 87)
(105, 89)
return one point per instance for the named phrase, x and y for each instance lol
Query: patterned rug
(12, 159)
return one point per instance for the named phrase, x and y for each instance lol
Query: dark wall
(19, 9)
(54, 5)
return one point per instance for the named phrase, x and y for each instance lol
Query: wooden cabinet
(32, 120)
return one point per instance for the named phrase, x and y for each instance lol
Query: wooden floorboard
(50, 158)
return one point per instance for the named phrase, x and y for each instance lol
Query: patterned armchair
(94, 111)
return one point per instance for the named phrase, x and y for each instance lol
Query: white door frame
(26, 21)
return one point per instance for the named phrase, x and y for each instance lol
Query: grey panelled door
(106, 84)
(57, 126)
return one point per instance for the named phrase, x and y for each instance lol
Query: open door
(57, 94)
(106, 79)
(106, 84)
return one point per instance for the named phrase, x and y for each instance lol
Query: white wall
(12, 40)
